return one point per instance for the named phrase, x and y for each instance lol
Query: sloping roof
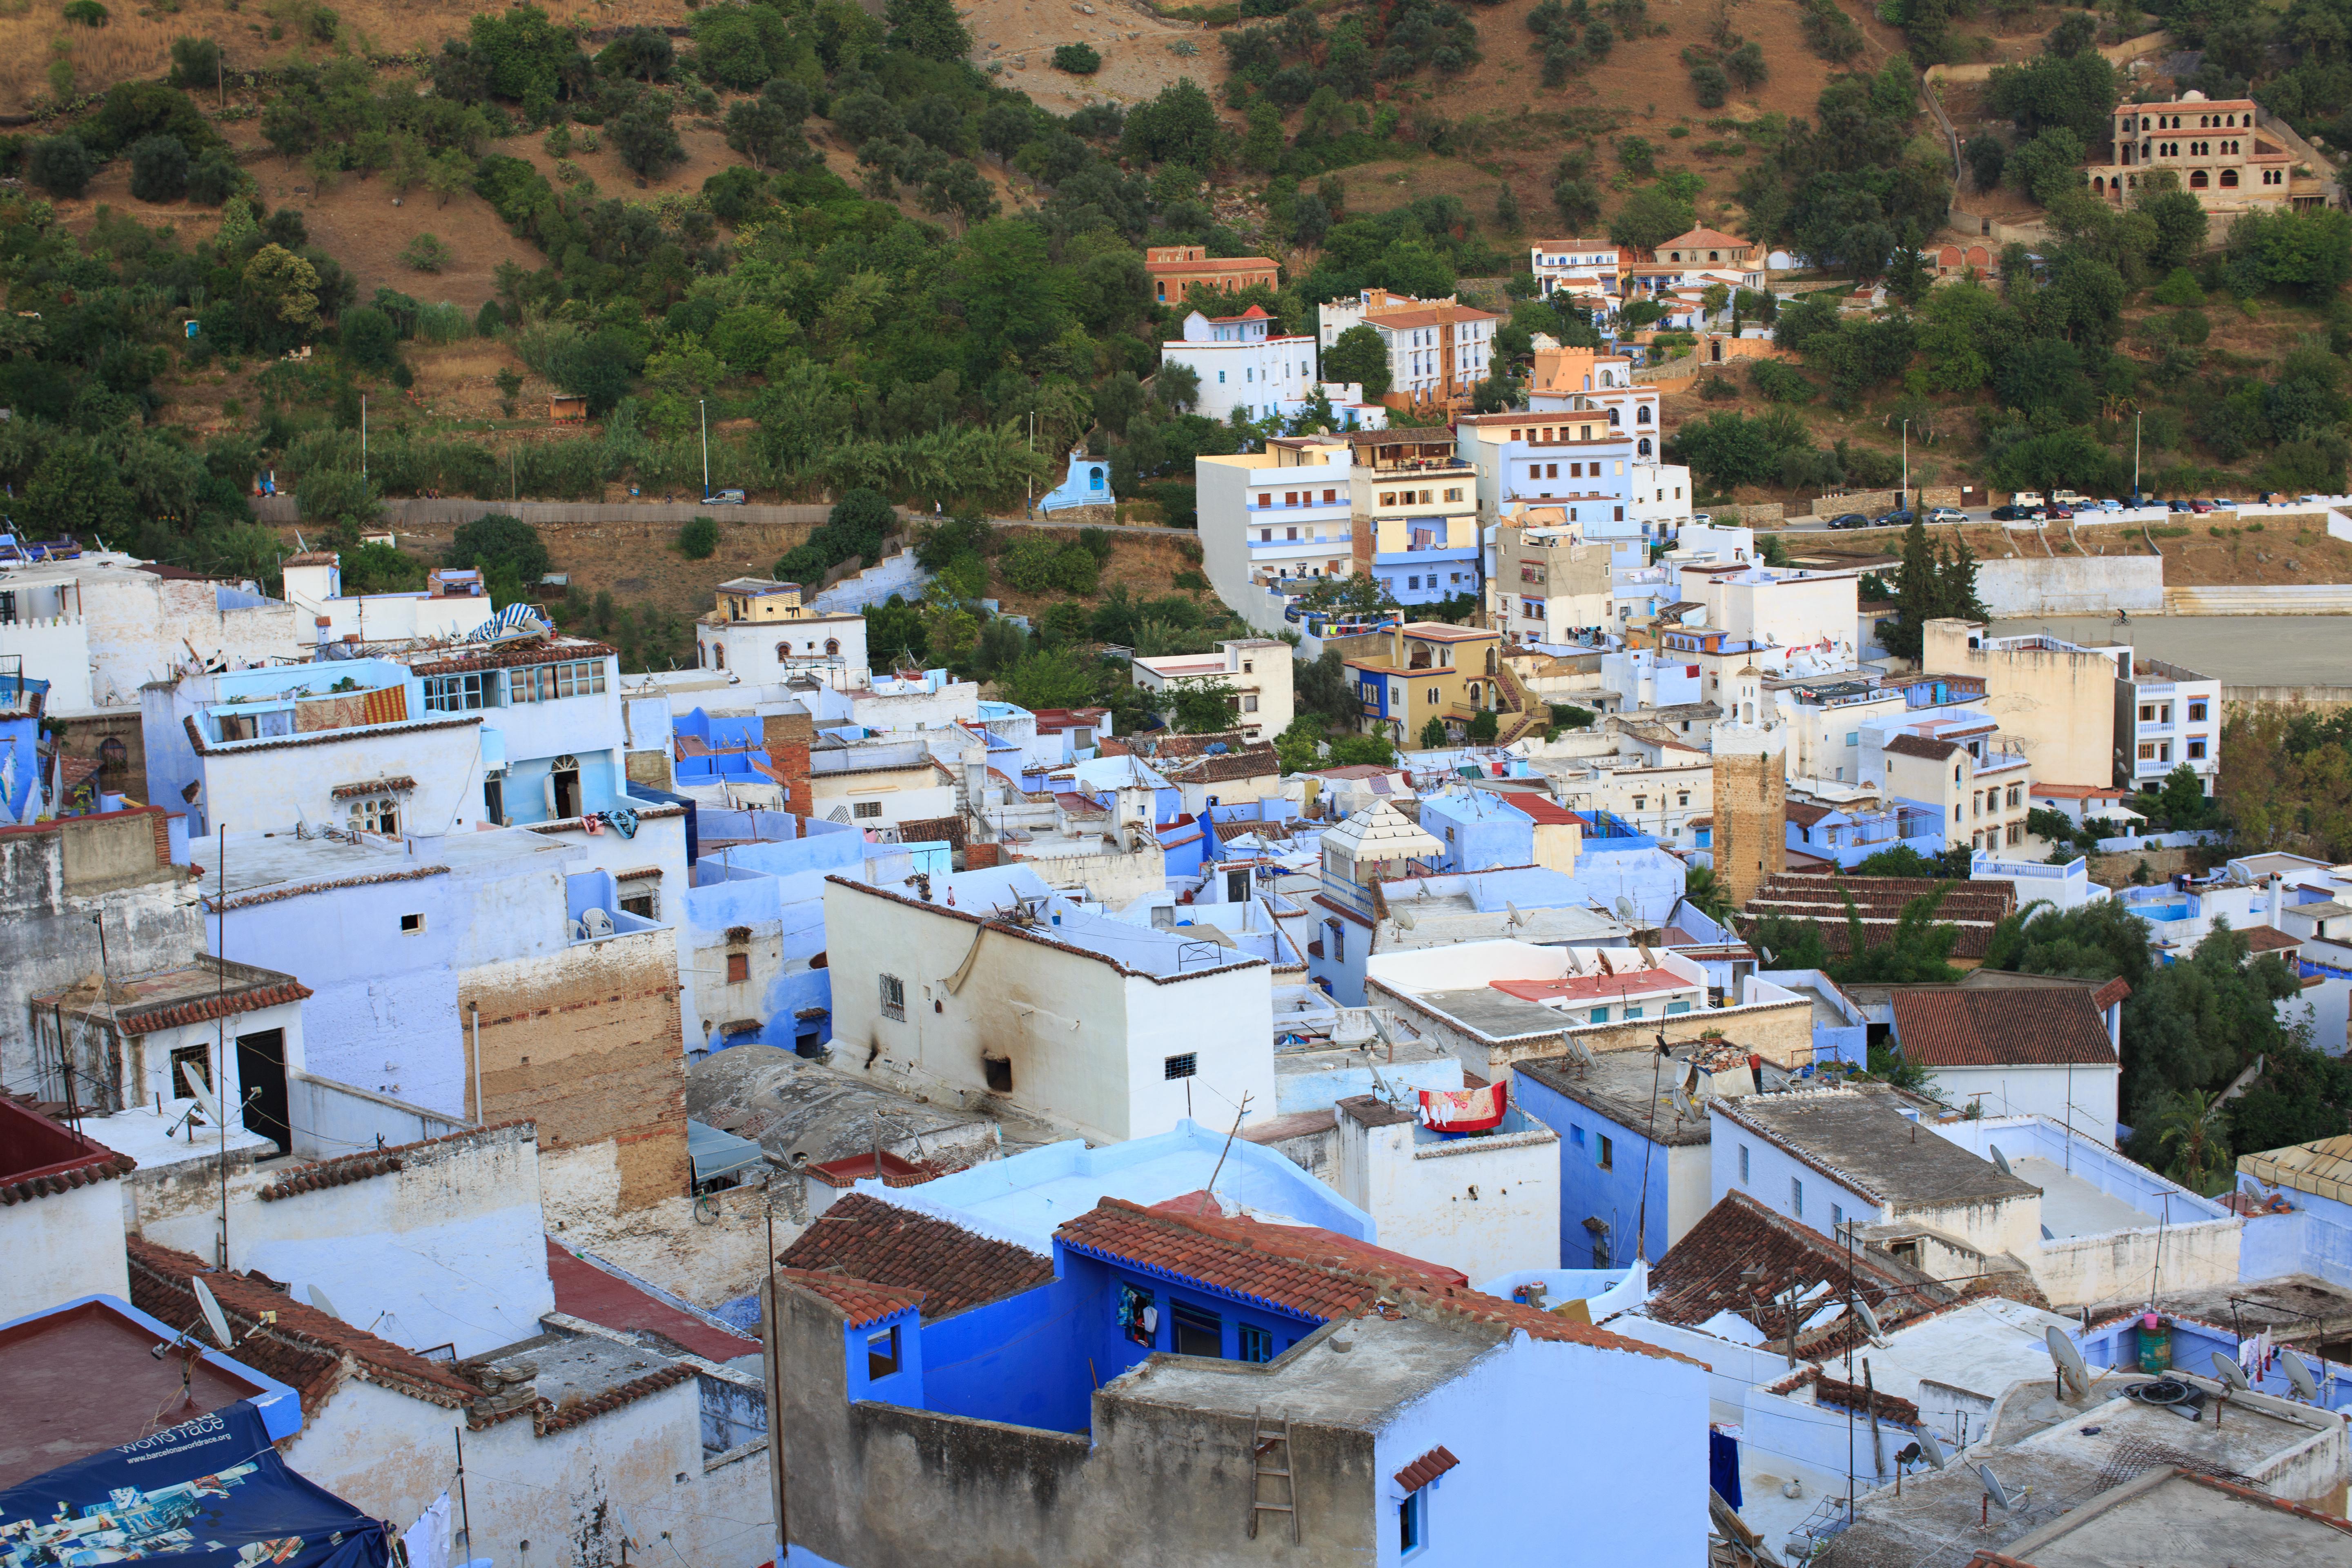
(1908, 745)
(1974, 906)
(40, 1158)
(1944, 1027)
(305, 1348)
(1704, 237)
(1305, 1269)
(2323, 1168)
(951, 1269)
(1806, 814)
(862, 1305)
(1859, 1140)
(584, 1292)
(1381, 832)
(345, 1169)
(1426, 1468)
(1701, 1275)
(2270, 939)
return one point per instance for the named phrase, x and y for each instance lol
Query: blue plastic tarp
(209, 1494)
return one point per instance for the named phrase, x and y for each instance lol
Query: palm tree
(2201, 1148)
(1702, 893)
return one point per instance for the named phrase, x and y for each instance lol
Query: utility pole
(704, 406)
(362, 438)
(2135, 456)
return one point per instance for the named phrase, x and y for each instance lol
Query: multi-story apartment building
(1548, 583)
(1696, 258)
(1245, 364)
(2057, 699)
(1439, 350)
(1433, 671)
(1585, 461)
(2165, 716)
(1977, 785)
(1578, 264)
(765, 630)
(1416, 514)
(1276, 520)
(1175, 268)
(2212, 145)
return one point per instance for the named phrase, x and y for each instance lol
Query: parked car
(1850, 520)
(1702, 518)
(2201, 507)
(1947, 514)
(2176, 506)
(2223, 503)
(725, 497)
(1899, 517)
(2020, 515)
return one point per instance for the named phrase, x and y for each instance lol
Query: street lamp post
(704, 407)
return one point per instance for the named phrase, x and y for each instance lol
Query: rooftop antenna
(214, 1319)
(2071, 1370)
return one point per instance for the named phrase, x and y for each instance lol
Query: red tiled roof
(864, 1238)
(40, 1158)
(1920, 746)
(1805, 813)
(2079, 791)
(345, 1169)
(1305, 1270)
(2042, 1026)
(861, 1304)
(2259, 938)
(1546, 811)
(221, 1005)
(305, 1348)
(1700, 1274)
(1426, 1468)
(586, 1291)
(546, 1420)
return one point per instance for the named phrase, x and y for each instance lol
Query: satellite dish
(1513, 910)
(205, 1102)
(2069, 1360)
(1403, 919)
(1993, 1489)
(318, 1300)
(1683, 1107)
(2000, 1159)
(1626, 909)
(1933, 1446)
(1869, 1319)
(214, 1319)
(2299, 1375)
(2230, 1373)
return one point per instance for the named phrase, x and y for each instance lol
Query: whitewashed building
(1246, 366)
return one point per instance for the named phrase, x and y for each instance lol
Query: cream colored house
(2056, 698)
(1548, 581)
(762, 631)
(1979, 786)
(1256, 671)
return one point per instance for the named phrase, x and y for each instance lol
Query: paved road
(2239, 650)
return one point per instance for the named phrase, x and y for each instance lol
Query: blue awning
(716, 1154)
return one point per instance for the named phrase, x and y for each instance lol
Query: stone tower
(1751, 789)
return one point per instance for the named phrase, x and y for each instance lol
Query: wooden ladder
(1263, 1440)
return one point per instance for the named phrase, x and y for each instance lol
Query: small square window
(865, 808)
(1184, 1065)
(738, 968)
(882, 1351)
(191, 1065)
(1257, 1343)
(410, 925)
(894, 997)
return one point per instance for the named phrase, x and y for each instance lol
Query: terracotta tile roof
(1805, 813)
(2260, 939)
(1920, 746)
(2078, 792)
(503, 655)
(1546, 811)
(305, 1348)
(862, 1304)
(878, 1243)
(345, 1169)
(1819, 898)
(547, 1421)
(40, 1157)
(1700, 1276)
(2043, 1026)
(223, 1004)
(398, 783)
(1426, 1468)
(933, 829)
(584, 1292)
(1242, 828)
(1304, 1269)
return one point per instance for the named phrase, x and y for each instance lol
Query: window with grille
(549, 682)
(1185, 1065)
(376, 814)
(894, 997)
(865, 808)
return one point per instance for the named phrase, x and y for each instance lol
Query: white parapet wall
(2072, 585)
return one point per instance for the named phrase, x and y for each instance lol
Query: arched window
(1642, 447)
(2196, 179)
(719, 656)
(1642, 415)
(783, 652)
(2230, 179)
(1613, 420)
(832, 647)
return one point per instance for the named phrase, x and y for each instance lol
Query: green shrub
(159, 169)
(698, 539)
(1078, 59)
(426, 253)
(87, 12)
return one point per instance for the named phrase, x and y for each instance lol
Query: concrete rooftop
(2173, 1519)
(2072, 1206)
(253, 862)
(1630, 1088)
(1389, 1363)
(1858, 1138)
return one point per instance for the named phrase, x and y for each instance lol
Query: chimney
(791, 761)
(2277, 894)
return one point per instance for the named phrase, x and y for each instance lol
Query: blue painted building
(1848, 835)
(1479, 829)
(1633, 1170)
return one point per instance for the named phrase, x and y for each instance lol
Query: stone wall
(2072, 585)
(586, 1044)
(1750, 805)
(1877, 502)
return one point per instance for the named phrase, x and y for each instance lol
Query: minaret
(1751, 789)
